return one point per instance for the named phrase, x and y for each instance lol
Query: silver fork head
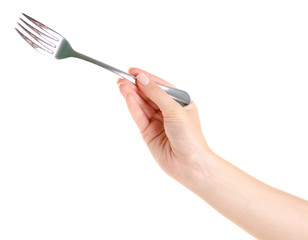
(43, 39)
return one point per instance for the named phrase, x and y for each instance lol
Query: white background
(72, 163)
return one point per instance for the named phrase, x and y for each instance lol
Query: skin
(173, 135)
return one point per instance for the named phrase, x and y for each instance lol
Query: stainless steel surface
(51, 44)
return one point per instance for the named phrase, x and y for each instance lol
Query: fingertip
(134, 71)
(124, 88)
(143, 79)
(131, 70)
(120, 80)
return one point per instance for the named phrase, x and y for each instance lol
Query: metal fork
(52, 44)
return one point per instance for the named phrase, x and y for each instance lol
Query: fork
(51, 44)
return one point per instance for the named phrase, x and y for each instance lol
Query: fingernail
(143, 79)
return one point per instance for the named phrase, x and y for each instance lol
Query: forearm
(261, 210)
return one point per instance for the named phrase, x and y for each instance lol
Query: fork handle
(178, 95)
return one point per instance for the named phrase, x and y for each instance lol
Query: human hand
(172, 132)
(173, 135)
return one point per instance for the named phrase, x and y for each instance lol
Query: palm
(151, 125)
(150, 122)
(156, 138)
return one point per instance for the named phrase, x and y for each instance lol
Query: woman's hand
(173, 135)
(172, 132)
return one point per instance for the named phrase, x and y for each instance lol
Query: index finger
(136, 71)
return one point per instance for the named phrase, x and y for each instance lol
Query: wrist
(195, 176)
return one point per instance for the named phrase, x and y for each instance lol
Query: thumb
(156, 94)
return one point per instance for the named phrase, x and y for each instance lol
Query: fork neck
(104, 65)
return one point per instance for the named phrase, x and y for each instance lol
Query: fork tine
(37, 38)
(43, 35)
(43, 27)
(33, 44)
